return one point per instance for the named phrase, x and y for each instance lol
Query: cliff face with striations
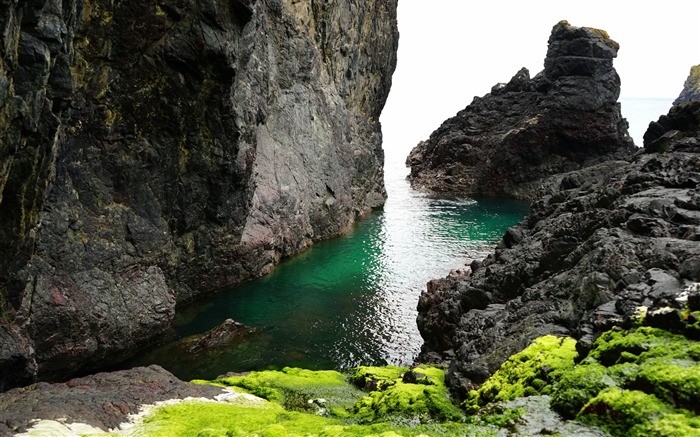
(152, 152)
(509, 141)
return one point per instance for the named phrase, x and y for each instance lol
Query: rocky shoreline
(590, 307)
(600, 246)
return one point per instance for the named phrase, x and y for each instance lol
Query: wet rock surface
(600, 245)
(152, 152)
(103, 400)
(509, 141)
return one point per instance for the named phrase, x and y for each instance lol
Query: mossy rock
(624, 412)
(634, 383)
(530, 372)
(299, 389)
(402, 409)
(580, 385)
(425, 398)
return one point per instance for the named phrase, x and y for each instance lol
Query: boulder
(691, 88)
(221, 336)
(103, 400)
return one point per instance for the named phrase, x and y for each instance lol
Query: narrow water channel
(348, 301)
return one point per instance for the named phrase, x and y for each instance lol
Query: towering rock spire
(507, 142)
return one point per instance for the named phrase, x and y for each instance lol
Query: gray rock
(691, 87)
(103, 400)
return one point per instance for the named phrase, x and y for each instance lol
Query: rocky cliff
(507, 142)
(691, 88)
(152, 152)
(601, 247)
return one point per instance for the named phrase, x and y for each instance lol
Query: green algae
(294, 388)
(581, 384)
(645, 381)
(210, 419)
(530, 372)
(395, 408)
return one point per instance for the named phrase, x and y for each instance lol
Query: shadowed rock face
(599, 244)
(509, 141)
(151, 152)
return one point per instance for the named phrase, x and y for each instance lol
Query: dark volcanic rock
(103, 400)
(223, 335)
(151, 152)
(691, 88)
(600, 244)
(509, 141)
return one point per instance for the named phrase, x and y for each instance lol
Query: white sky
(453, 50)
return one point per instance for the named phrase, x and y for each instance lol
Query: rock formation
(600, 245)
(103, 400)
(507, 142)
(152, 152)
(691, 88)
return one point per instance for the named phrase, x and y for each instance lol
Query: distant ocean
(639, 112)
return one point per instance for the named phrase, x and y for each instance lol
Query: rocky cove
(107, 197)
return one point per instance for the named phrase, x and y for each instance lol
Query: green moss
(633, 382)
(273, 418)
(427, 399)
(294, 388)
(206, 418)
(646, 343)
(580, 385)
(527, 373)
(670, 425)
(676, 385)
(376, 377)
(498, 416)
(620, 411)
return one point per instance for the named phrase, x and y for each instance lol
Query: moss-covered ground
(641, 382)
(370, 401)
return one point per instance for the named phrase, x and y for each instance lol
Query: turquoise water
(348, 301)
